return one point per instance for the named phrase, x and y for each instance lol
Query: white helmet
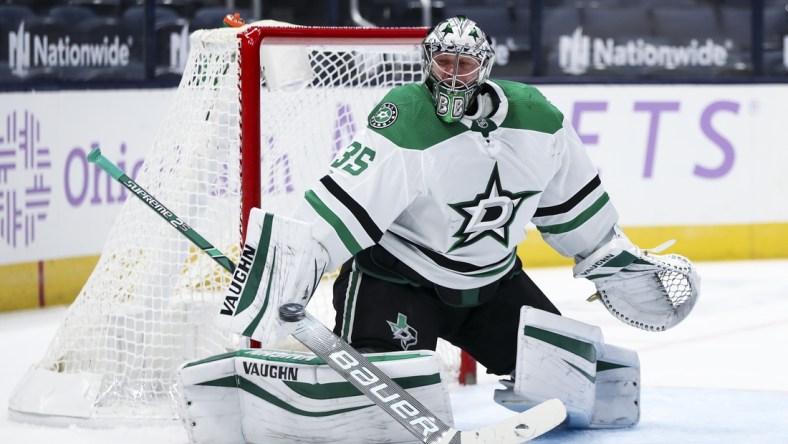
(458, 58)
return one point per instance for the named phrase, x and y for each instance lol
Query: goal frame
(251, 39)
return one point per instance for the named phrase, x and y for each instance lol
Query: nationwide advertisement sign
(28, 50)
(50, 50)
(579, 53)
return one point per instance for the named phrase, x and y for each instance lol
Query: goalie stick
(403, 407)
(96, 157)
(357, 369)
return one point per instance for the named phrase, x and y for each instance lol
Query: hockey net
(233, 140)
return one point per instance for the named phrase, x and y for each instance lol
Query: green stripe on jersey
(350, 302)
(496, 270)
(581, 218)
(341, 229)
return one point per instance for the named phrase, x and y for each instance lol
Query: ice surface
(720, 377)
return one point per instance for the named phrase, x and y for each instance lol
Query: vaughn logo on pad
(240, 276)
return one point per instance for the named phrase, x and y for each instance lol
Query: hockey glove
(645, 290)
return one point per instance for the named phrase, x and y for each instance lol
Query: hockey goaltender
(423, 212)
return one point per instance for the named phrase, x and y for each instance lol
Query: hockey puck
(292, 312)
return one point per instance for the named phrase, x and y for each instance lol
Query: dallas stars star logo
(489, 214)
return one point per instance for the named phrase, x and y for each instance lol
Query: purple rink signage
(53, 203)
(25, 178)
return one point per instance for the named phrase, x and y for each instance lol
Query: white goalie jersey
(452, 201)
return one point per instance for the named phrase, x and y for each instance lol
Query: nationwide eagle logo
(489, 214)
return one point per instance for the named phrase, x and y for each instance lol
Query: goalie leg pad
(617, 401)
(274, 396)
(556, 358)
(281, 263)
(562, 358)
(209, 405)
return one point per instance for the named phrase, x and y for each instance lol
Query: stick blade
(523, 427)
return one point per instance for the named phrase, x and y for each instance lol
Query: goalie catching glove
(645, 290)
(280, 263)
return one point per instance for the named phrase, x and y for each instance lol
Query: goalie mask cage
(233, 139)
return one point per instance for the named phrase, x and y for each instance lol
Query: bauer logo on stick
(385, 116)
(385, 393)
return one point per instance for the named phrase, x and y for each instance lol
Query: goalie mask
(458, 58)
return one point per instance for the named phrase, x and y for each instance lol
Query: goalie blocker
(276, 396)
(285, 265)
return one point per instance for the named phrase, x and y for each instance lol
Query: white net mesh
(147, 306)
(150, 302)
